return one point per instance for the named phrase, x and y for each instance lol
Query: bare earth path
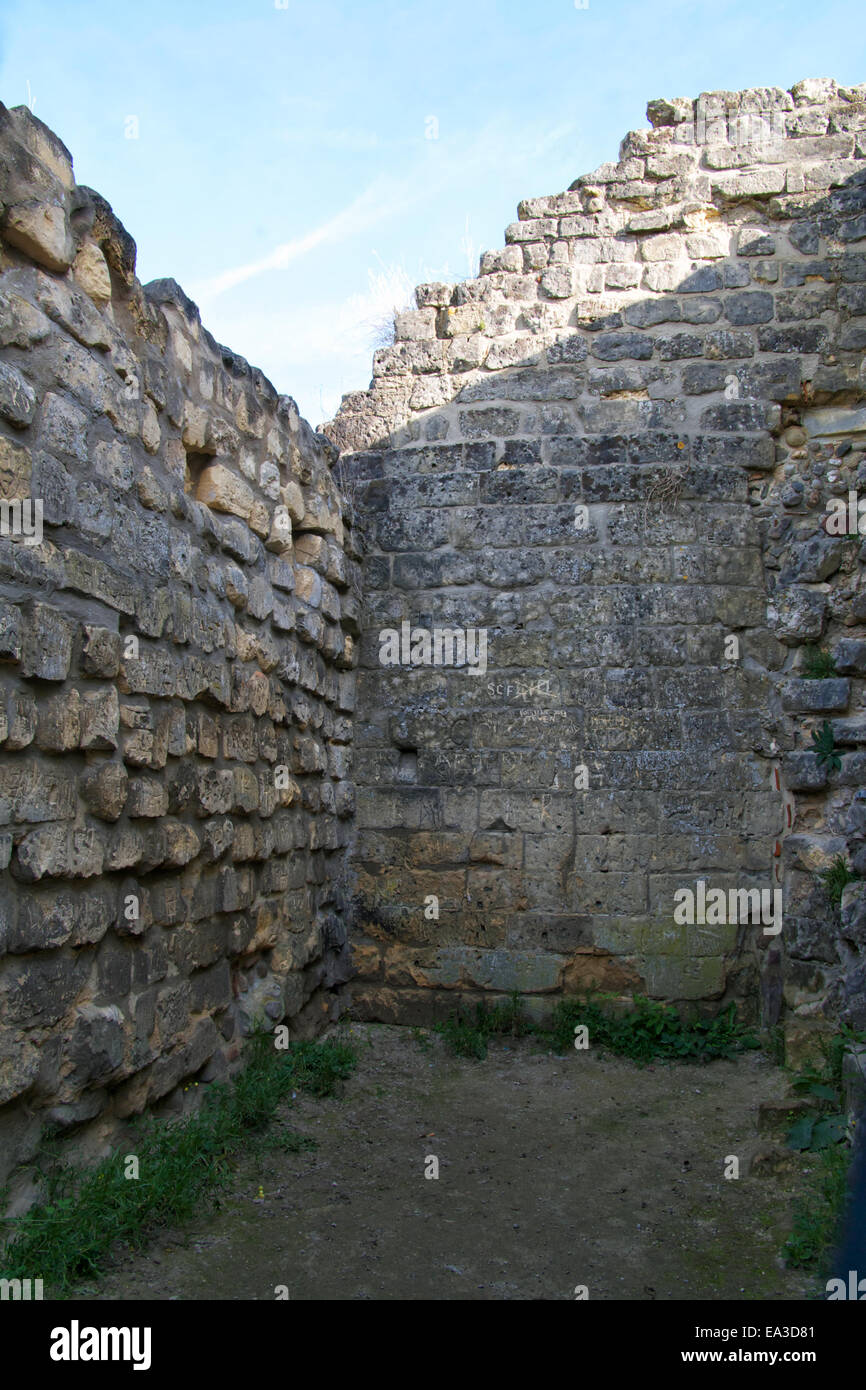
(553, 1172)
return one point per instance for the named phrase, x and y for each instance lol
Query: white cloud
(364, 211)
(319, 350)
(389, 195)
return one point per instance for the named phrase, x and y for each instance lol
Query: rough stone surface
(627, 484)
(625, 452)
(175, 765)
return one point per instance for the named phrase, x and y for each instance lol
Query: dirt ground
(554, 1172)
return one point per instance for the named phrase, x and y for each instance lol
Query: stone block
(103, 789)
(58, 727)
(849, 656)
(11, 626)
(17, 397)
(31, 792)
(38, 989)
(96, 1044)
(90, 269)
(19, 1065)
(47, 647)
(612, 347)
(53, 851)
(796, 615)
(20, 721)
(814, 696)
(803, 772)
(146, 797)
(41, 231)
(100, 719)
(223, 491)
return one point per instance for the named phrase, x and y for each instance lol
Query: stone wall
(176, 653)
(614, 451)
(610, 460)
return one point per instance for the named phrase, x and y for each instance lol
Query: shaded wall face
(613, 454)
(598, 751)
(176, 680)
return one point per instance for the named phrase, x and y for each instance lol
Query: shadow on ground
(553, 1172)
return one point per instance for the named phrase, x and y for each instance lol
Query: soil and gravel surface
(554, 1172)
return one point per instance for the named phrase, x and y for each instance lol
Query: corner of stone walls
(179, 609)
(673, 349)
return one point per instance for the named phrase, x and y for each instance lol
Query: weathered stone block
(47, 647)
(224, 491)
(17, 397)
(15, 471)
(147, 797)
(41, 231)
(19, 1065)
(96, 1044)
(612, 347)
(32, 792)
(849, 656)
(37, 990)
(57, 852)
(803, 772)
(58, 727)
(812, 696)
(796, 615)
(91, 271)
(100, 719)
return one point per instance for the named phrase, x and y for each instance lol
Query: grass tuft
(183, 1165)
(824, 1132)
(836, 879)
(818, 1212)
(468, 1037)
(818, 664)
(649, 1031)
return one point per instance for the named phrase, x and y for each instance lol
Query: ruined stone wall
(176, 681)
(613, 450)
(613, 454)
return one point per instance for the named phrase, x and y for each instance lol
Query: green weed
(649, 1031)
(468, 1037)
(825, 746)
(774, 1044)
(818, 1212)
(825, 1124)
(836, 878)
(818, 664)
(184, 1165)
(463, 1037)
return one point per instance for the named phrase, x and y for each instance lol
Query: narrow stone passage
(554, 1172)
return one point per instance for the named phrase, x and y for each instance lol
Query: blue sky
(299, 167)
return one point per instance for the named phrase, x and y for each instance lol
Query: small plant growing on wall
(836, 879)
(664, 490)
(818, 664)
(825, 747)
(825, 1123)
